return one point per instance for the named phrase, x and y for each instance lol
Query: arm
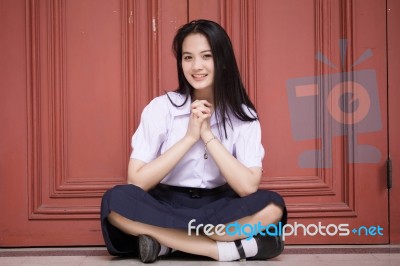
(243, 180)
(148, 175)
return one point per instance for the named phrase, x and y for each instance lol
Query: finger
(195, 104)
(203, 109)
(206, 103)
(200, 115)
(196, 113)
(203, 116)
(198, 103)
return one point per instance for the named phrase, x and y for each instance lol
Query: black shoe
(149, 249)
(268, 247)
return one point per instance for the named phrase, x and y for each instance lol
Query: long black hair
(229, 92)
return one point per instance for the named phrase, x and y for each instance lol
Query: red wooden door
(78, 79)
(317, 73)
(329, 77)
(80, 72)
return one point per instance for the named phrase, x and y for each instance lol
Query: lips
(199, 77)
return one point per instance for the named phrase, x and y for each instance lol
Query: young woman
(196, 161)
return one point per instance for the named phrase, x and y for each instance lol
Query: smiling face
(198, 63)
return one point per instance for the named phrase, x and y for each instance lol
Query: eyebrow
(205, 51)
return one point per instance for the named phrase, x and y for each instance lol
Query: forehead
(195, 42)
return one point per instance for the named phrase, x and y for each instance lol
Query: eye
(207, 56)
(187, 58)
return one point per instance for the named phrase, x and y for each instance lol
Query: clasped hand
(199, 122)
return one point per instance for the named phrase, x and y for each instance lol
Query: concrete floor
(293, 255)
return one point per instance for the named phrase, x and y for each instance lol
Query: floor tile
(377, 255)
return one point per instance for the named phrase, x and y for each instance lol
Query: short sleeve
(151, 132)
(249, 149)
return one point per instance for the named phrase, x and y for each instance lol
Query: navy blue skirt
(175, 209)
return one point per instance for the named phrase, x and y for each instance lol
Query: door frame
(393, 61)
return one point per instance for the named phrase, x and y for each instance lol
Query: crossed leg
(194, 244)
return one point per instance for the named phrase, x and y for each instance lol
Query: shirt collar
(178, 99)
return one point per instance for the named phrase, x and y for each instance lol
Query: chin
(201, 87)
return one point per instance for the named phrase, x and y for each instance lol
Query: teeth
(200, 76)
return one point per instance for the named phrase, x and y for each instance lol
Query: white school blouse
(162, 125)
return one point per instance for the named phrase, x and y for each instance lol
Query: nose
(197, 64)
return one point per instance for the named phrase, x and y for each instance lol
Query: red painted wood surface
(393, 14)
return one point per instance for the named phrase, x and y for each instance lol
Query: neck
(203, 95)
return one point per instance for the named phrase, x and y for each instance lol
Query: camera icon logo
(339, 104)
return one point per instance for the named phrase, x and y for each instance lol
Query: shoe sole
(148, 249)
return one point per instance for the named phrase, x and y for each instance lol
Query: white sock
(250, 247)
(227, 251)
(164, 250)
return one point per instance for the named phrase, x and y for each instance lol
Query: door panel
(205, 9)
(171, 15)
(75, 100)
(319, 83)
(88, 77)
(80, 73)
(393, 18)
(321, 94)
